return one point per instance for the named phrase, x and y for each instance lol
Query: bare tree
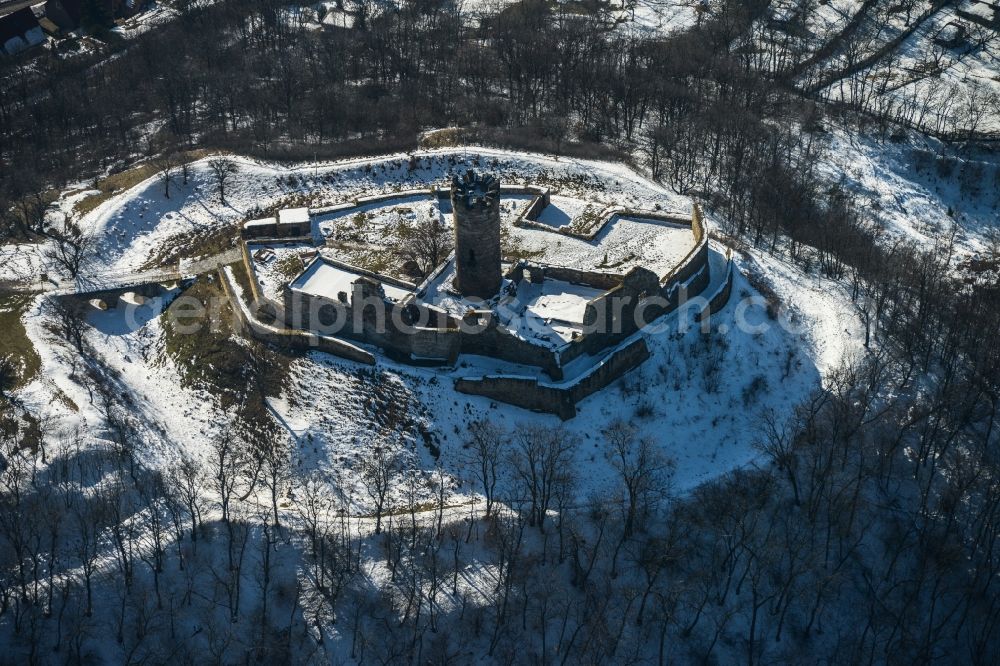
(186, 479)
(89, 523)
(641, 467)
(228, 462)
(70, 320)
(485, 443)
(222, 169)
(165, 164)
(72, 249)
(275, 473)
(541, 458)
(427, 244)
(378, 470)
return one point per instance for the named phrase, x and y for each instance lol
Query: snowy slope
(699, 396)
(919, 189)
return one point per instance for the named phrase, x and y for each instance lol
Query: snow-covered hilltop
(502, 332)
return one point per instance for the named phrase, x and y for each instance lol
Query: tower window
(472, 257)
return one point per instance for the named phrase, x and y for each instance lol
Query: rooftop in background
(293, 216)
(262, 222)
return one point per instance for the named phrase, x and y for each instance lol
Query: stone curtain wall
(542, 198)
(613, 313)
(441, 342)
(695, 260)
(595, 279)
(558, 399)
(495, 342)
(436, 344)
(523, 392)
(287, 337)
(251, 272)
(627, 358)
(692, 273)
(438, 341)
(718, 301)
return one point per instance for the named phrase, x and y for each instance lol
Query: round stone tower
(475, 203)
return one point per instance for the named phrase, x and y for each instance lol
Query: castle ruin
(566, 328)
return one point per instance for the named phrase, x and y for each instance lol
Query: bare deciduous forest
(869, 533)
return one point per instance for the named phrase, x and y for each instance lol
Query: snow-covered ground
(276, 265)
(943, 67)
(556, 300)
(329, 281)
(700, 397)
(129, 340)
(371, 223)
(562, 211)
(141, 223)
(919, 189)
(623, 243)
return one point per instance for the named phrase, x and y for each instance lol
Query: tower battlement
(476, 190)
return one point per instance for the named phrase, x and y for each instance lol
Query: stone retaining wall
(251, 273)
(523, 392)
(692, 273)
(558, 399)
(496, 342)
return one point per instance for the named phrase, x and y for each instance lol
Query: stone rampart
(558, 399)
(293, 338)
(523, 392)
(496, 342)
(718, 300)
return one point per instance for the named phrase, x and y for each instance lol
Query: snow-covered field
(623, 243)
(275, 265)
(700, 397)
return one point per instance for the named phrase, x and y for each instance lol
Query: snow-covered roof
(262, 222)
(327, 280)
(293, 216)
(555, 299)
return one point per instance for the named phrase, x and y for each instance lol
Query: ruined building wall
(496, 342)
(436, 340)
